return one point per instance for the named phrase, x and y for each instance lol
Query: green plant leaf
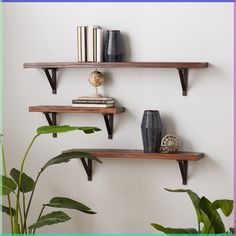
(8, 185)
(194, 198)
(49, 219)
(65, 128)
(213, 216)
(231, 231)
(62, 202)
(208, 227)
(7, 210)
(27, 182)
(67, 156)
(225, 205)
(174, 230)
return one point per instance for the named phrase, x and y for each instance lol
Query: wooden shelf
(50, 65)
(51, 68)
(139, 154)
(51, 112)
(181, 157)
(70, 109)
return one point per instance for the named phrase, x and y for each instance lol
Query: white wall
(127, 194)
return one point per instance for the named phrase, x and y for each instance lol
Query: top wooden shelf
(51, 65)
(51, 68)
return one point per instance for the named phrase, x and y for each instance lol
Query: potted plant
(18, 184)
(208, 219)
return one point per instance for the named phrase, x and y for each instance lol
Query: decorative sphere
(96, 78)
(170, 143)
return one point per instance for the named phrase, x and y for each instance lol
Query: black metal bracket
(52, 120)
(88, 167)
(183, 74)
(52, 78)
(183, 166)
(109, 124)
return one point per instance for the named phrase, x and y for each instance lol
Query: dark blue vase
(113, 50)
(151, 129)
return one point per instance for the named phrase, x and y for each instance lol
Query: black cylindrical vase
(151, 129)
(113, 50)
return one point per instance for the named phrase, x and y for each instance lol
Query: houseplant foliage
(18, 185)
(208, 219)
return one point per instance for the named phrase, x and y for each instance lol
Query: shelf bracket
(183, 166)
(183, 75)
(88, 167)
(52, 120)
(52, 78)
(109, 124)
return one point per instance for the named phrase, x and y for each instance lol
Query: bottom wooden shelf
(181, 157)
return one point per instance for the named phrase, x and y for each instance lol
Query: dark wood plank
(117, 65)
(70, 109)
(139, 154)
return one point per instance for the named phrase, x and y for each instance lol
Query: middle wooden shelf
(51, 111)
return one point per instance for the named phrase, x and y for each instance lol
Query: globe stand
(97, 95)
(96, 79)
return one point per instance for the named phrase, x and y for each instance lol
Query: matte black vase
(151, 129)
(113, 50)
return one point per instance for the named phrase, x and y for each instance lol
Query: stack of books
(90, 43)
(102, 102)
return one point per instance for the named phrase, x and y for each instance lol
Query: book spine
(79, 44)
(93, 105)
(95, 45)
(95, 98)
(99, 45)
(83, 44)
(90, 43)
(91, 102)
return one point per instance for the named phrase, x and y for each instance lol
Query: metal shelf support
(109, 124)
(52, 120)
(183, 75)
(87, 167)
(183, 166)
(52, 78)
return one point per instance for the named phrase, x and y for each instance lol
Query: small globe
(96, 78)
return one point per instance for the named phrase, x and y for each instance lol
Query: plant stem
(41, 212)
(8, 195)
(25, 227)
(30, 200)
(19, 183)
(21, 220)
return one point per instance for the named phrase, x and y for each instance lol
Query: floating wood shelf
(51, 69)
(181, 157)
(52, 111)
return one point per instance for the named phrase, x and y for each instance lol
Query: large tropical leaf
(7, 210)
(65, 128)
(225, 205)
(213, 217)
(7, 185)
(174, 230)
(49, 219)
(208, 227)
(62, 202)
(27, 182)
(194, 198)
(67, 156)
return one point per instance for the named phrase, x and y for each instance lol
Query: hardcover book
(95, 98)
(84, 101)
(93, 105)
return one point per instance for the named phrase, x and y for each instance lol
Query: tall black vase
(113, 50)
(151, 129)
